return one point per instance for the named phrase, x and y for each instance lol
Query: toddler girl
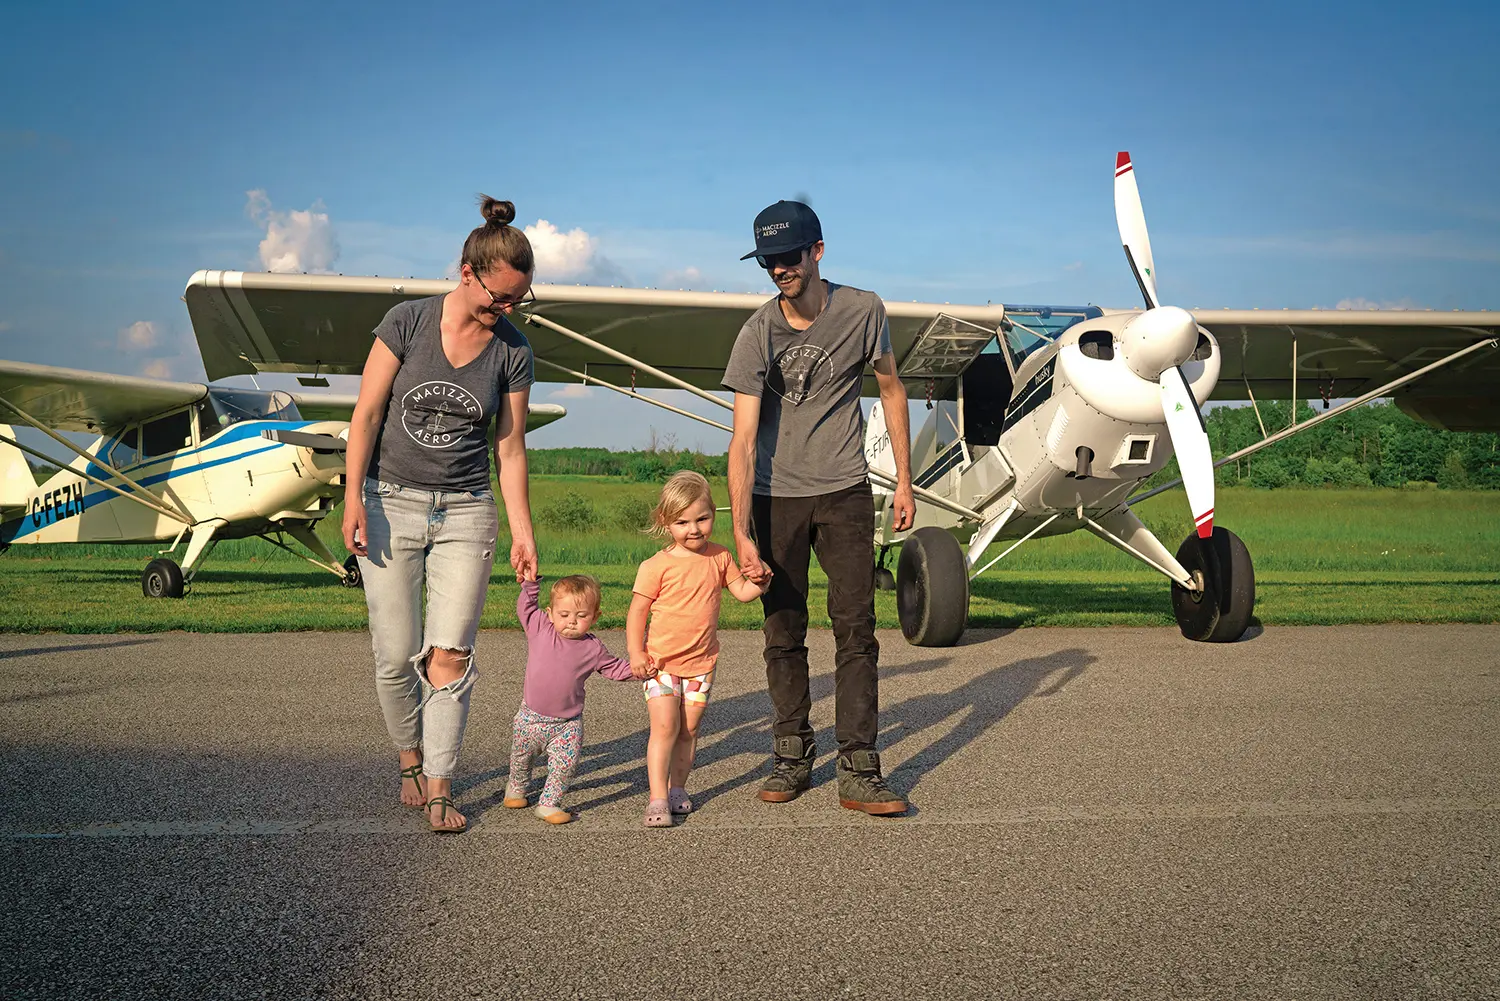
(561, 653)
(678, 591)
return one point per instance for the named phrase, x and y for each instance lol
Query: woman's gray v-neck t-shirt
(436, 430)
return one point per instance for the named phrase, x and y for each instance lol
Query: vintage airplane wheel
(1221, 613)
(932, 588)
(884, 579)
(162, 579)
(353, 576)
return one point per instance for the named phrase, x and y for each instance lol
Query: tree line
(1374, 445)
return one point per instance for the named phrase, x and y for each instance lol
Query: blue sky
(1288, 154)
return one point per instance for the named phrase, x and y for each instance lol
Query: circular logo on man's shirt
(800, 373)
(438, 414)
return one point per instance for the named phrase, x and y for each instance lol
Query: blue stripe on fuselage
(20, 527)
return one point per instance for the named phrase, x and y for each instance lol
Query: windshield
(1033, 327)
(230, 406)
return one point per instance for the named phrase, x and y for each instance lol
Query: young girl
(678, 591)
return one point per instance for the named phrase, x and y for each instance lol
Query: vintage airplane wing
(340, 407)
(1346, 353)
(247, 322)
(70, 399)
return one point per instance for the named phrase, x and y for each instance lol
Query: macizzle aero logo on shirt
(437, 414)
(800, 373)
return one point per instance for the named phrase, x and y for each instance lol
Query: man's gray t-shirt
(436, 430)
(811, 435)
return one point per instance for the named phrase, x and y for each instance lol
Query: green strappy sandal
(415, 774)
(445, 803)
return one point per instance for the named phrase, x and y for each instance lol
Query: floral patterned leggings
(560, 739)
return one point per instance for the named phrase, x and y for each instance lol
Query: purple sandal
(658, 814)
(678, 801)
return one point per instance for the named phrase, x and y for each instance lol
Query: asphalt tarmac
(1097, 813)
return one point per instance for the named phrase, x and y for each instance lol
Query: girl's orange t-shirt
(684, 588)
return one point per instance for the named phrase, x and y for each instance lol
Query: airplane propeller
(1155, 344)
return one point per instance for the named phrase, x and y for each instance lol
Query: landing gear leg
(1219, 612)
(884, 579)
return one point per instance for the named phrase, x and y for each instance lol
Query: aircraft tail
(878, 451)
(16, 482)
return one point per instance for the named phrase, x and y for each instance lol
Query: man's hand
(755, 571)
(905, 505)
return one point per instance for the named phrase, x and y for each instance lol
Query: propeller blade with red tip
(1131, 219)
(1190, 441)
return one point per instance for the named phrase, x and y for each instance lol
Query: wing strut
(632, 394)
(158, 508)
(1373, 394)
(621, 356)
(138, 492)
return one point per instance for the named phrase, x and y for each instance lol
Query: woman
(418, 509)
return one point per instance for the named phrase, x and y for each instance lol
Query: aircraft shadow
(68, 647)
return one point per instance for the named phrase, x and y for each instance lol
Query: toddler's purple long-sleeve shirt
(556, 667)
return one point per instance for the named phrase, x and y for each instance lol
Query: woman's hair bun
(497, 212)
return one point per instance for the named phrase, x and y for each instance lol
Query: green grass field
(1321, 557)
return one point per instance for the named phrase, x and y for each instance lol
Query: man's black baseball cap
(785, 226)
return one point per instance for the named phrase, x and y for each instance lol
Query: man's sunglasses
(790, 259)
(528, 299)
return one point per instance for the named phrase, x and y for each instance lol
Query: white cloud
(571, 256)
(299, 240)
(1360, 302)
(687, 278)
(158, 369)
(139, 336)
(572, 391)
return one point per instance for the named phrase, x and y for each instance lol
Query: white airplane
(1044, 420)
(175, 461)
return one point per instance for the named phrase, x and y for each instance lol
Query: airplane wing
(70, 399)
(1346, 353)
(247, 322)
(340, 407)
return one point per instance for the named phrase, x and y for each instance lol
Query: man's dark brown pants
(839, 527)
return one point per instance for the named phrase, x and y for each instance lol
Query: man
(798, 482)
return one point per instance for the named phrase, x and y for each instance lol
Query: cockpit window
(225, 407)
(1035, 327)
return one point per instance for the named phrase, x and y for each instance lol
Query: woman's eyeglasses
(529, 299)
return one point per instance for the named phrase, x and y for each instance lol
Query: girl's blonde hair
(680, 492)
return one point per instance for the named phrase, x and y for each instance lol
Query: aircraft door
(171, 466)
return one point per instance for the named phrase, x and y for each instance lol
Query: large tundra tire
(932, 588)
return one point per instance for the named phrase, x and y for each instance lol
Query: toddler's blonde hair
(578, 585)
(681, 491)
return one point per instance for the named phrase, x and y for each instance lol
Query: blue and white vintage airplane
(176, 461)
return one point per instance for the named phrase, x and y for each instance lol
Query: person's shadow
(616, 770)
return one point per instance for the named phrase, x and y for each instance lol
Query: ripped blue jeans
(444, 541)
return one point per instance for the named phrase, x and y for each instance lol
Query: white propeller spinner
(1155, 344)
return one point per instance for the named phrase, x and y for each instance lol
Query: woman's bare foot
(413, 784)
(442, 813)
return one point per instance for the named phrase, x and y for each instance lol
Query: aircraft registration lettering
(56, 505)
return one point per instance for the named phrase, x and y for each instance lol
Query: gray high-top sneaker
(791, 773)
(862, 788)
